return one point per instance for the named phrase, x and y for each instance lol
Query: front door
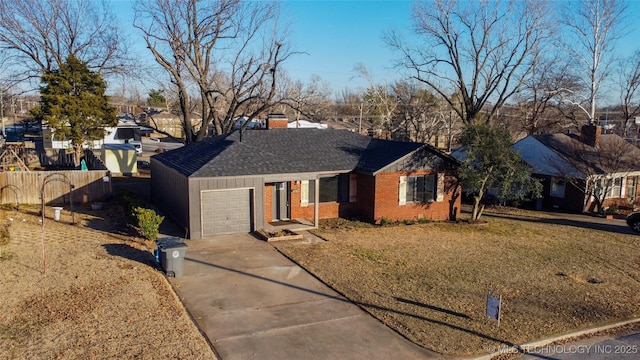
(280, 201)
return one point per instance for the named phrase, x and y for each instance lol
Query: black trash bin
(171, 252)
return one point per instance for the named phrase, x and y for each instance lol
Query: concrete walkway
(254, 303)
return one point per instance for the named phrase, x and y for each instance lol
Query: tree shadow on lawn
(365, 306)
(131, 253)
(434, 308)
(584, 224)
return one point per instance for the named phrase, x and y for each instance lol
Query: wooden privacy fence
(25, 187)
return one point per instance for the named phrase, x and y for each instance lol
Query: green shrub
(124, 195)
(613, 209)
(130, 202)
(384, 221)
(148, 222)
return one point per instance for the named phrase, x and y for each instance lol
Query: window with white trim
(615, 191)
(612, 186)
(421, 189)
(307, 192)
(632, 182)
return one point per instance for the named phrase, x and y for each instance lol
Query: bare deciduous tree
(229, 50)
(39, 35)
(310, 100)
(483, 50)
(541, 97)
(162, 29)
(628, 84)
(419, 113)
(380, 100)
(348, 105)
(593, 26)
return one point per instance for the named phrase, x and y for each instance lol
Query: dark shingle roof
(614, 154)
(281, 151)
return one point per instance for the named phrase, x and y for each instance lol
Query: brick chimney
(277, 121)
(590, 134)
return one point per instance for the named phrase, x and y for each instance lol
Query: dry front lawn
(100, 297)
(429, 281)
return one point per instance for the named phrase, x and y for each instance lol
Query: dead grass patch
(429, 281)
(100, 298)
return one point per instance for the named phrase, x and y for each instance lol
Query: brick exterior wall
(376, 197)
(277, 123)
(387, 201)
(365, 200)
(327, 210)
(591, 134)
(268, 199)
(298, 211)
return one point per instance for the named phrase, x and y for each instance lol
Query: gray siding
(197, 185)
(169, 191)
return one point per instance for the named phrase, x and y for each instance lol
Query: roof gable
(279, 151)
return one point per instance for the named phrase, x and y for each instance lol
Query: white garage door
(226, 212)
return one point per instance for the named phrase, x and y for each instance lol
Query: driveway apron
(254, 303)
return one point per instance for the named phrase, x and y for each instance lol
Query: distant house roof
(125, 147)
(253, 124)
(306, 124)
(572, 148)
(282, 151)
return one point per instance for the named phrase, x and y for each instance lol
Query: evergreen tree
(74, 105)
(491, 164)
(156, 99)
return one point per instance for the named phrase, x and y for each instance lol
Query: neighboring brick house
(242, 181)
(573, 167)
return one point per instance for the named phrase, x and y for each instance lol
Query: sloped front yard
(100, 297)
(430, 281)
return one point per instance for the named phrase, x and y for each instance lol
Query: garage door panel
(226, 211)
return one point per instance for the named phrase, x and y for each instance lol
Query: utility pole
(449, 131)
(360, 125)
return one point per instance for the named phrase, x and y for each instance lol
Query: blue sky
(334, 36)
(337, 35)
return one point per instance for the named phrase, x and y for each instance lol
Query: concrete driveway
(254, 303)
